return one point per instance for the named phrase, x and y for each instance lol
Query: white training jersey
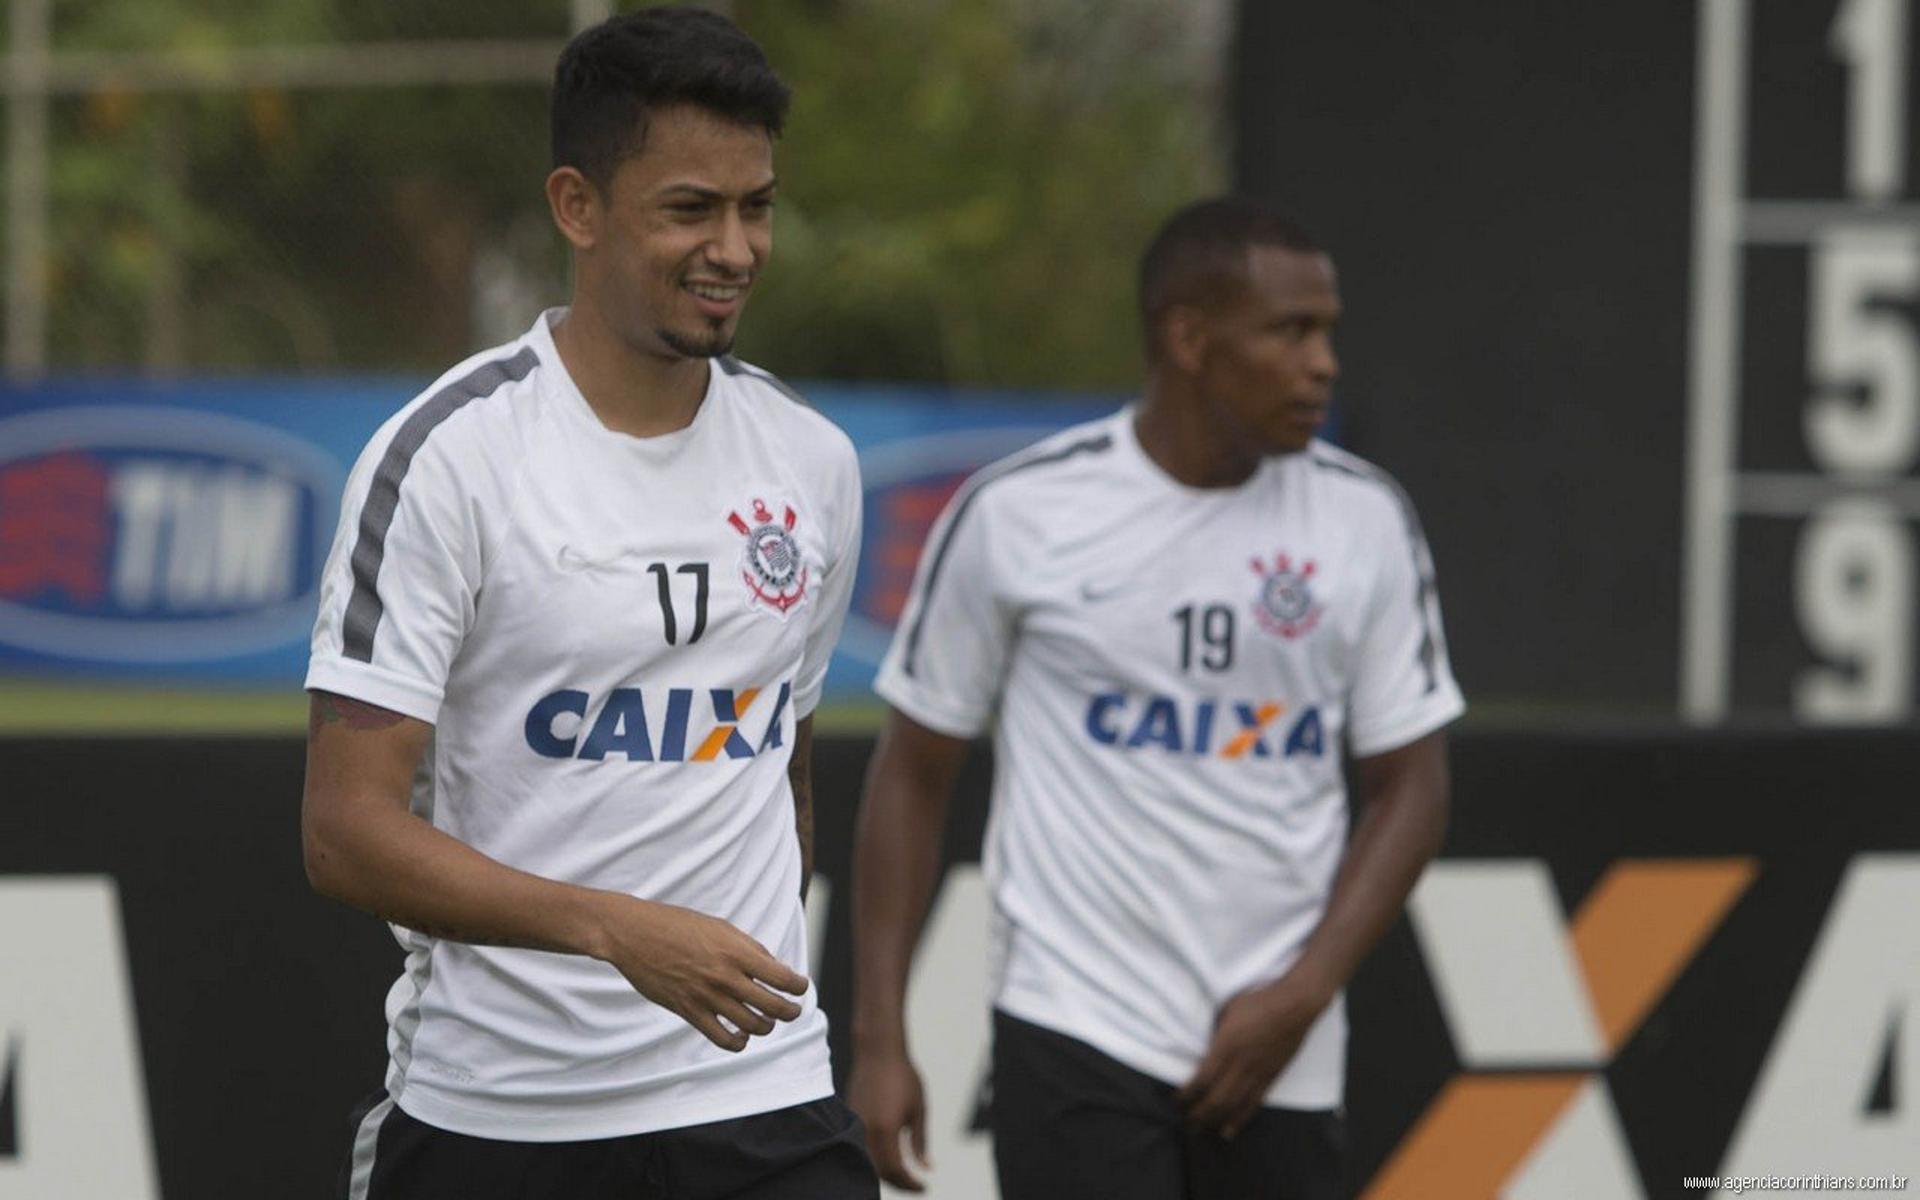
(1171, 673)
(613, 638)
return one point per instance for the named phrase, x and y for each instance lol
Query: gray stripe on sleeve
(730, 365)
(365, 609)
(993, 474)
(1428, 654)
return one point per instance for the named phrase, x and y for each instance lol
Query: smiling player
(1174, 619)
(571, 636)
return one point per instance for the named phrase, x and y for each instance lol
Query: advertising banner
(1640, 961)
(176, 531)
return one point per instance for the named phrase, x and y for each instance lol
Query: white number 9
(1853, 586)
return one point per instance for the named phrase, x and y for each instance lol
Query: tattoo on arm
(331, 708)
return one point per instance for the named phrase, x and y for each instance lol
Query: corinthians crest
(1285, 605)
(770, 563)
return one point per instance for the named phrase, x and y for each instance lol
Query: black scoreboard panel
(1504, 187)
(1772, 429)
(1821, 522)
(1773, 651)
(1632, 297)
(1797, 98)
(1823, 604)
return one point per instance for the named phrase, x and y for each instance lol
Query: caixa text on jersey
(558, 724)
(1221, 728)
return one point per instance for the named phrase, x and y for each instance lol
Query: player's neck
(1176, 435)
(630, 391)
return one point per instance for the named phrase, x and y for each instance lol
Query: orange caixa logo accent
(771, 564)
(1538, 1008)
(573, 723)
(1285, 605)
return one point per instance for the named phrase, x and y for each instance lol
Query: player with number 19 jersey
(613, 638)
(1171, 673)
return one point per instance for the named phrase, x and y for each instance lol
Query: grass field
(32, 707)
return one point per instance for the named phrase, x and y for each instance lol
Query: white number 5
(1854, 343)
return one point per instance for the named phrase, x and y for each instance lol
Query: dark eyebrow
(697, 192)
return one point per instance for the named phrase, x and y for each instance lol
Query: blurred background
(293, 216)
(1631, 293)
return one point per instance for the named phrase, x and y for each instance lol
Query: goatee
(712, 345)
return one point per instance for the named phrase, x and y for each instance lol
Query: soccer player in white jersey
(571, 635)
(1174, 620)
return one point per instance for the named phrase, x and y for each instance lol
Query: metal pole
(33, 75)
(588, 13)
(31, 22)
(167, 290)
(360, 65)
(1713, 436)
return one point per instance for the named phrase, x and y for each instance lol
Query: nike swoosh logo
(574, 560)
(1093, 593)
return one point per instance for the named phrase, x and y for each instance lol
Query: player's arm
(1403, 795)
(896, 863)
(800, 777)
(365, 847)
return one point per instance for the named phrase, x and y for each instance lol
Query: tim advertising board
(145, 535)
(178, 531)
(171, 530)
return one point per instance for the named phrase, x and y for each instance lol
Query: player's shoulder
(781, 408)
(1062, 459)
(472, 407)
(1362, 484)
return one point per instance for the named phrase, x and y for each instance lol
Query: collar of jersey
(1136, 457)
(567, 394)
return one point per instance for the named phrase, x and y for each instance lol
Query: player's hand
(1255, 1036)
(884, 1089)
(702, 969)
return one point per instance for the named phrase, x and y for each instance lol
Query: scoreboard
(1631, 294)
(1804, 380)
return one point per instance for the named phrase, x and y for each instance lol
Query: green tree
(965, 189)
(967, 186)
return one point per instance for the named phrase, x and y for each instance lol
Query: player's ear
(1183, 338)
(576, 206)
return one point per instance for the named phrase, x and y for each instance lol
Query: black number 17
(699, 572)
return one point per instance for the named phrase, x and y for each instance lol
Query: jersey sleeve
(948, 657)
(1403, 686)
(398, 595)
(836, 591)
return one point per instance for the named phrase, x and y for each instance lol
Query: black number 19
(699, 573)
(1212, 627)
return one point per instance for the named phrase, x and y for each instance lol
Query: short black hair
(611, 76)
(1202, 249)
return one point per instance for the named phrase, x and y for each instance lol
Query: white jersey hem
(364, 681)
(1408, 730)
(1170, 1069)
(551, 1123)
(901, 694)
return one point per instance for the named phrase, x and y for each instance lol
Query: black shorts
(813, 1151)
(1069, 1123)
